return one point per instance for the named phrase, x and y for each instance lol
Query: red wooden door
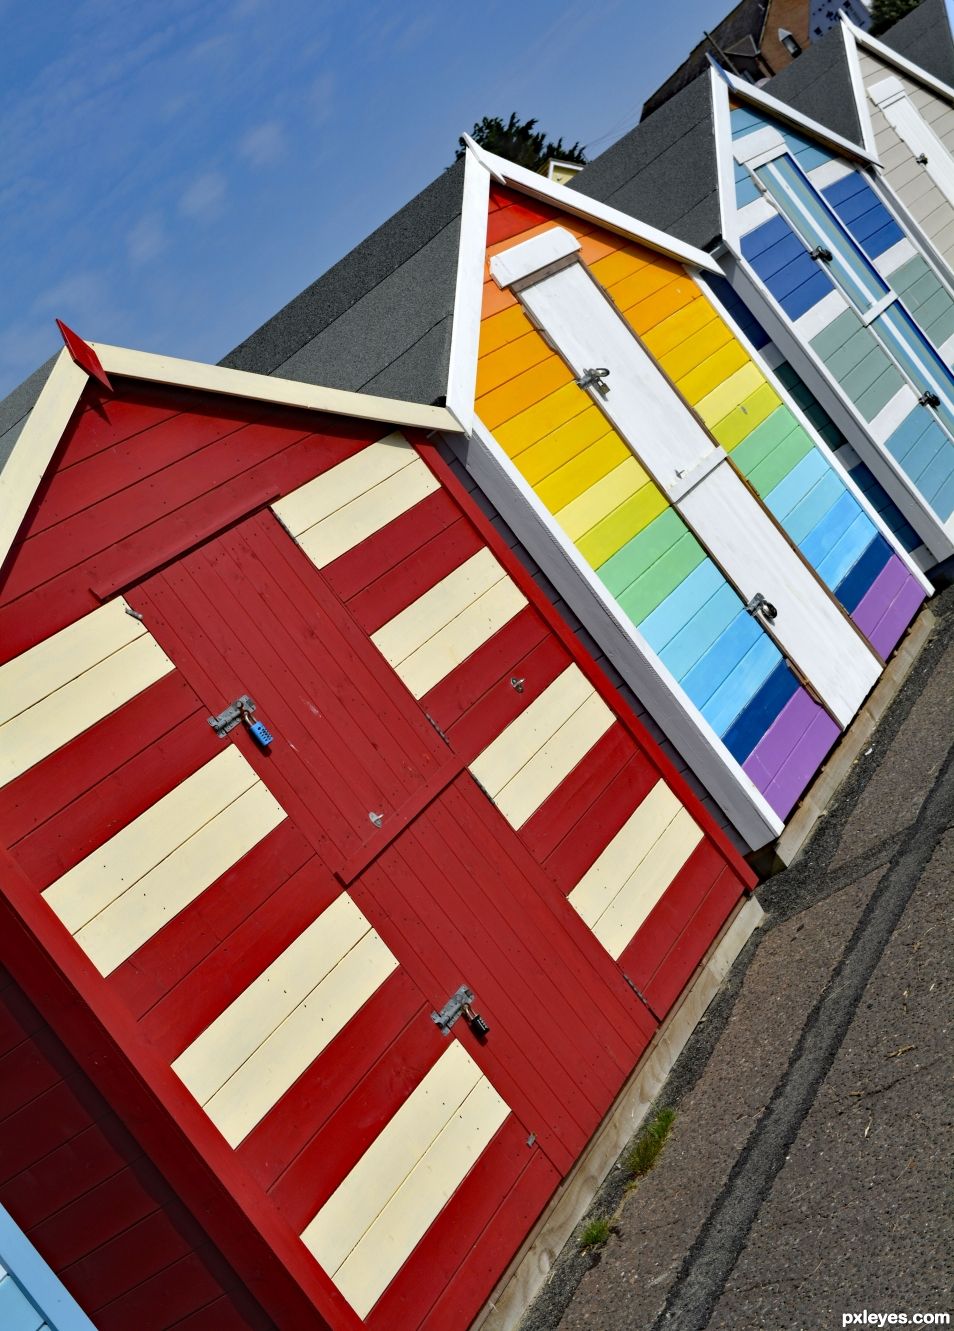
(447, 891)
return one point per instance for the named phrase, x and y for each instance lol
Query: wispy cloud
(204, 198)
(263, 145)
(146, 240)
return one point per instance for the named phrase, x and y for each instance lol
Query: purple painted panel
(789, 754)
(870, 609)
(898, 616)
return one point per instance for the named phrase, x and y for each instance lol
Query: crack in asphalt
(709, 1262)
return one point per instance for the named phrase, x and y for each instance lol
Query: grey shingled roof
(16, 407)
(380, 320)
(924, 37)
(746, 20)
(818, 84)
(664, 171)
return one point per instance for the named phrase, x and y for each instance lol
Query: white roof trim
(581, 205)
(862, 109)
(468, 293)
(747, 93)
(50, 415)
(725, 162)
(899, 61)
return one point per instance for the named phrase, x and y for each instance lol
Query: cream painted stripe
(372, 1222)
(254, 1050)
(51, 723)
(540, 777)
(836, 168)
(896, 410)
(319, 498)
(260, 1082)
(811, 323)
(409, 630)
(353, 523)
(517, 743)
(606, 877)
(158, 896)
(457, 640)
(755, 214)
(900, 252)
(29, 678)
(619, 923)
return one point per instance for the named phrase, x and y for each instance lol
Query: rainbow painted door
(429, 895)
(770, 576)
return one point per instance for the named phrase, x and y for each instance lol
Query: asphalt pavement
(807, 1178)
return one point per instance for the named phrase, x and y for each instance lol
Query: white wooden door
(911, 128)
(704, 487)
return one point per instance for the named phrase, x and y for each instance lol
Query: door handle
(760, 606)
(595, 378)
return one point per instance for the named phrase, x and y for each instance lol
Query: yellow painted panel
(502, 328)
(598, 887)
(520, 798)
(391, 1158)
(617, 267)
(463, 635)
(647, 282)
(91, 885)
(413, 626)
(649, 312)
(595, 247)
(740, 423)
(161, 894)
(36, 673)
(248, 1021)
(715, 370)
(620, 922)
(40, 730)
(727, 396)
(520, 740)
(569, 481)
(601, 498)
(259, 1083)
(354, 522)
(333, 489)
(679, 325)
(394, 1234)
(525, 428)
(620, 526)
(711, 337)
(547, 454)
(524, 391)
(506, 363)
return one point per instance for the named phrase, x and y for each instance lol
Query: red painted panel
(515, 215)
(394, 591)
(388, 548)
(502, 703)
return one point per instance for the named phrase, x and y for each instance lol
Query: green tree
(520, 141)
(885, 13)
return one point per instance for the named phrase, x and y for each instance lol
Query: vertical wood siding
(620, 522)
(277, 954)
(905, 177)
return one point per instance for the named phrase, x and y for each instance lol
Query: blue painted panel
(944, 500)
(863, 213)
(737, 308)
(746, 191)
(885, 507)
(937, 475)
(817, 541)
(751, 673)
(702, 632)
(808, 154)
(17, 1313)
(783, 497)
(754, 720)
(819, 506)
(761, 237)
(904, 438)
(718, 664)
(927, 457)
(882, 239)
(786, 251)
(854, 585)
(744, 121)
(847, 551)
(662, 624)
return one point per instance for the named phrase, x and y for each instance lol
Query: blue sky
(174, 172)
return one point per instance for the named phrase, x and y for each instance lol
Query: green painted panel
(755, 447)
(653, 586)
(865, 374)
(881, 392)
(836, 334)
(777, 465)
(644, 549)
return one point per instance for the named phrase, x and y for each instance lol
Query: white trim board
(729, 212)
(598, 611)
(468, 293)
(50, 415)
(862, 109)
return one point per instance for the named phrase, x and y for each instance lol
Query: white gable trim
(468, 293)
(899, 61)
(725, 163)
(756, 97)
(862, 109)
(44, 428)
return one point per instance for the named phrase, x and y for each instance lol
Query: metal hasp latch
(234, 714)
(759, 606)
(921, 159)
(460, 1005)
(929, 399)
(595, 378)
(819, 252)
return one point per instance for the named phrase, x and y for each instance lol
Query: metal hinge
(929, 399)
(759, 605)
(636, 990)
(460, 1004)
(438, 729)
(921, 159)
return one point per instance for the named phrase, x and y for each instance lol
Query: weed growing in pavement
(595, 1233)
(644, 1152)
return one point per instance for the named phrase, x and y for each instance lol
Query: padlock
(257, 729)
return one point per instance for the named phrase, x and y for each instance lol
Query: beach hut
(336, 864)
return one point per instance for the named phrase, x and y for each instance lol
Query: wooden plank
(512, 749)
(386, 550)
(421, 569)
(354, 522)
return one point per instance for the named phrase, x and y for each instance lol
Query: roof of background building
(15, 408)
(664, 171)
(924, 37)
(818, 84)
(379, 321)
(747, 19)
